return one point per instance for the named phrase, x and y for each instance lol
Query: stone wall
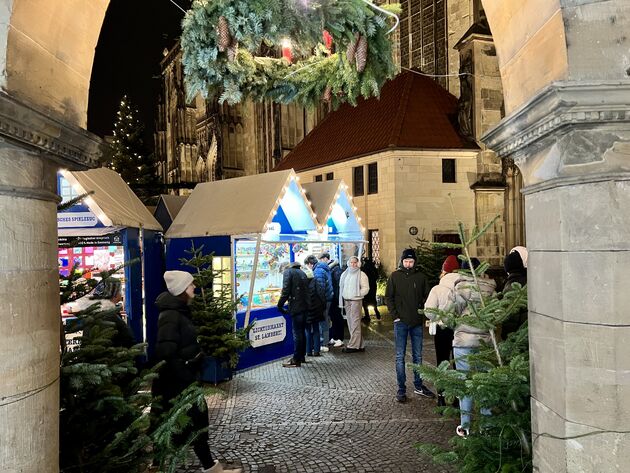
(488, 107)
(424, 201)
(490, 203)
(460, 18)
(49, 47)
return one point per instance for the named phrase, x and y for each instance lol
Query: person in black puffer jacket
(295, 292)
(177, 346)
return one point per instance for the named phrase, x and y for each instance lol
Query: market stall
(107, 229)
(256, 226)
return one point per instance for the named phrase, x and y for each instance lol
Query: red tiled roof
(413, 112)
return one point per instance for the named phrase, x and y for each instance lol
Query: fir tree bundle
(213, 311)
(497, 381)
(105, 399)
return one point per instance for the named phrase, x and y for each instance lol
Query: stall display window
(90, 259)
(272, 259)
(223, 283)
(302, 250)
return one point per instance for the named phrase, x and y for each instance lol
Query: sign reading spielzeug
(268, 331)
(76, 219)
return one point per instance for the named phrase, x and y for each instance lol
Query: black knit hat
(408, 254)
(513, 263)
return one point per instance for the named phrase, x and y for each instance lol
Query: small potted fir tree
(213, 314)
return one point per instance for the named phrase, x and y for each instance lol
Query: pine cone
(327, 94)
(352, 48)
(232, 50)
(362, 50)
(223, 34)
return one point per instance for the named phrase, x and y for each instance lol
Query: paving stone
(335, 414)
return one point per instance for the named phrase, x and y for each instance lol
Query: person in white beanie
(178, 348)
(524, 254)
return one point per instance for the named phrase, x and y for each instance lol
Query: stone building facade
(450, 41)
(201, 140)
(405, 162)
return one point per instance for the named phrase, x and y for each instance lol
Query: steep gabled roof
(173, 203)
(413, 112)
(243, 205)
(113, 200)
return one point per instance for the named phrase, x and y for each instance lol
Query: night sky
(127, 60)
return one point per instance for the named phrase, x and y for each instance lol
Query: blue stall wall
(133, 282)
(153, 268)
(256, 356)
(177, 248)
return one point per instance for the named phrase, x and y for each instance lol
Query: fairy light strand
(461, 74)
(177, 6)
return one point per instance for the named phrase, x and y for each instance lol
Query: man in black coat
(407, 290)
(295, 292)
(370, 269)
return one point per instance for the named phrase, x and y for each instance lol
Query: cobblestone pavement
(334, 414)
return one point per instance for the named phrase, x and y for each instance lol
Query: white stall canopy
(334, 209)
(113, 202)
(271, 204)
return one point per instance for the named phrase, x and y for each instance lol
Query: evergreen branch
(75, 200)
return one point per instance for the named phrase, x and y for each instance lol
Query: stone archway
(46, 54)
(565, 66)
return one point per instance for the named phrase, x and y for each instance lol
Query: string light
(388, 13)
(460, 74)
(177, 6)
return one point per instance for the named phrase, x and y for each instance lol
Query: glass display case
(302, 250)
(272, 259)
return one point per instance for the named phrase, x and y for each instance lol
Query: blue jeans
(312, 337)
(401, 332)
(299, 341)
(465, 404)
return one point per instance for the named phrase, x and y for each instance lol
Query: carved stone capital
(69, 145)
(570, 132)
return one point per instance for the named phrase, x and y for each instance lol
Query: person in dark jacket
(369, 268)
(517, 273)
(407, 290)
(295, 292)
(177, 346)
(316, 308)
(108, 294)
(324, 278)
(336, 319)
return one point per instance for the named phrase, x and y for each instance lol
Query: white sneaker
(338, 343)
(332, 341)
(324, 349)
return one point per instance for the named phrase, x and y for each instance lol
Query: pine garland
(235, 71)
(498, 379)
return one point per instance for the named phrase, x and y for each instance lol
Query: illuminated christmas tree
(129, 157)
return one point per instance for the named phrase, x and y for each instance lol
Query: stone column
(32, 147)
(572, 144)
